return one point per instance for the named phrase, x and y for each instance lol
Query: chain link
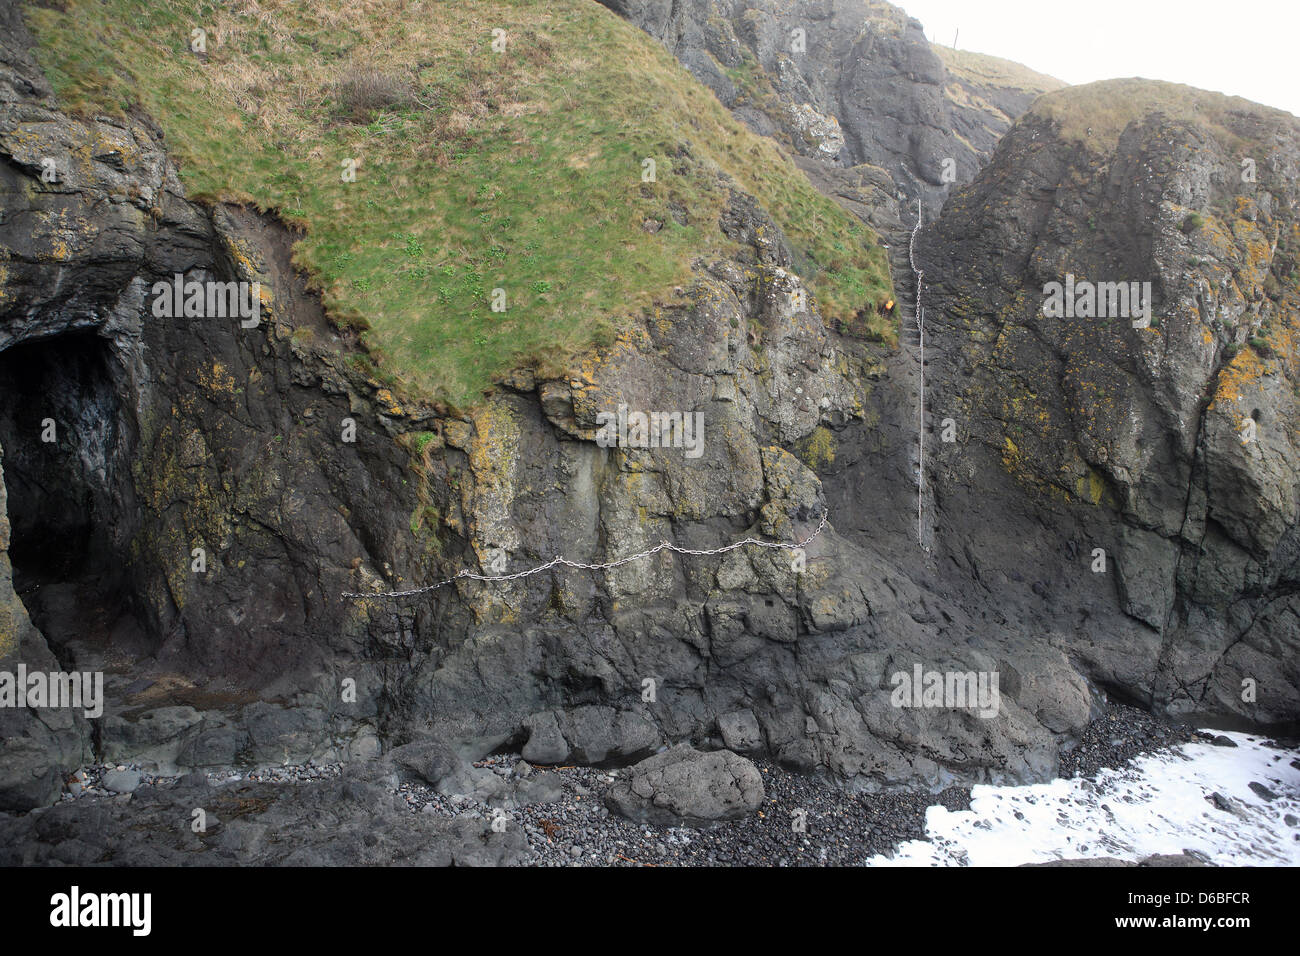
(466, 574)
(920, 388)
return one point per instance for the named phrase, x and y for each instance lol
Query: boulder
(591, 736)
(683, 786)
(122, 781)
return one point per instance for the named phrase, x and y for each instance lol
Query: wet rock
(1097, 861)
(1158, 860)
(1220, 802)
(1263, 791)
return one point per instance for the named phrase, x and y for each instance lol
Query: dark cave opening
(66, 460)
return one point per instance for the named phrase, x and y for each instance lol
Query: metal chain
(554, 562)
(920, 329)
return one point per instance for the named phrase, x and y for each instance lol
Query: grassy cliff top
(981, 69)
(477, 168)
(1097, 113)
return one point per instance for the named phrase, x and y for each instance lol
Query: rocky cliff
(217, 489)
(848, 83)
(1168, 440)
(173, 442)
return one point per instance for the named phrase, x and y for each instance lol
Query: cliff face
(1173, 446)
(206, 439)
(987, 94)
(847, 83)
(170, 436)
(298, 477)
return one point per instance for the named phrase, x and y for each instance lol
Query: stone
(683, 786)
(477, 783)
(1263, 791)
(590, 736)
(545, 744)
(121, 781)
(1172, 860)
(216, 746)
(740, 731)
(1220, 802)
(283, 735)
(539, 788)
(429, 761)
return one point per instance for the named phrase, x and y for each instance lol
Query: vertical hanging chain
(919, 311)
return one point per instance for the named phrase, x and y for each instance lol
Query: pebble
(577, 829)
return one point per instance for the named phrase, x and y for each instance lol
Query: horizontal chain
(466, 574)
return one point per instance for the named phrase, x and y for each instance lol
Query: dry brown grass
(979, 68)
(1097, 113)
(365, 91)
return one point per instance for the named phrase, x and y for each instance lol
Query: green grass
(752, 84)
(518, 170)
(421, 442)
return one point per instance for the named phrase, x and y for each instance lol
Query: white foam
(1155, 805)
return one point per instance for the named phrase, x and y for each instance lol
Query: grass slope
(478, 169)
(981, 69)
(1095, 114)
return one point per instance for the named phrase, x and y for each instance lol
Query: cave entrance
(66, 461)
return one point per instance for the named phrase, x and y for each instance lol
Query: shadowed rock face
(231, 440)
(1173, 447)
(846, 82)
(171, 435)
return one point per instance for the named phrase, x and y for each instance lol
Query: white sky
(1247, 48)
